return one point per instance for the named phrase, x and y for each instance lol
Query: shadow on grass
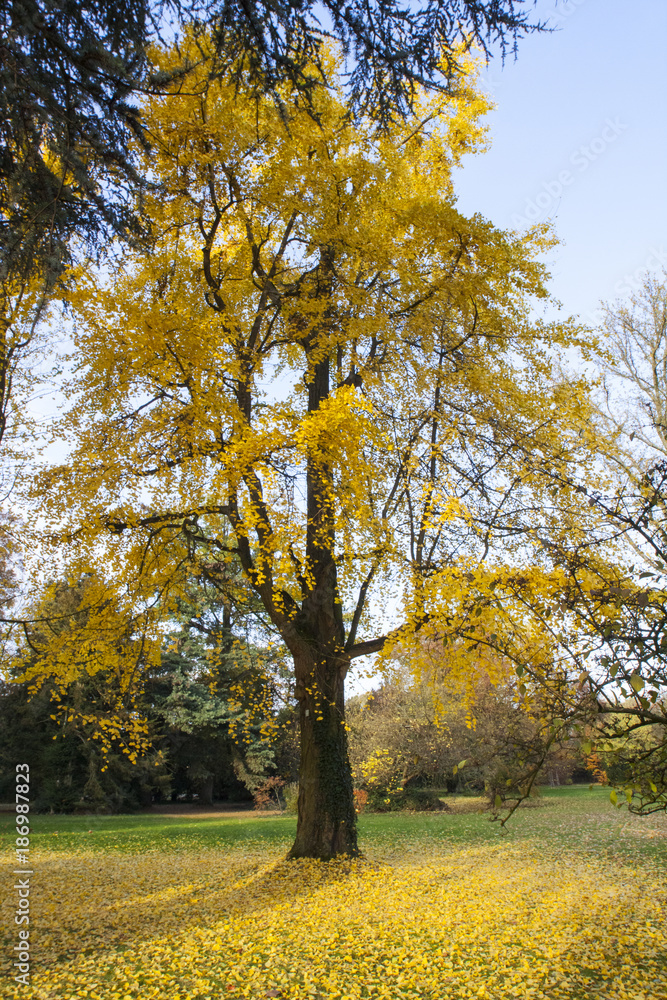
(86, 905)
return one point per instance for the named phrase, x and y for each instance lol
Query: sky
(579, 138)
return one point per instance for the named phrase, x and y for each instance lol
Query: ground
(570, 904)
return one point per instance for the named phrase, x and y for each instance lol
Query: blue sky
(579, 137)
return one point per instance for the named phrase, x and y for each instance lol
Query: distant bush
(360, 799)
(408, 800)
(267, 795)
(291, 796)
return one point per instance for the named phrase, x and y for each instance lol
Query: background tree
(210, 710)
(73, 773)
(409, 738)
(321, 354)
(626, 614)
(620, 602)
(636, 373)
(76, 728)
(402, 748)
(392, 51)
(68, 74)
(591, 629)
(213, 719)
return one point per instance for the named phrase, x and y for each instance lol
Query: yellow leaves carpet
(425, 920)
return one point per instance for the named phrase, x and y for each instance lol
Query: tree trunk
(327, 822)
(205, 791)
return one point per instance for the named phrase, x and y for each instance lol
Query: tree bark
(327, 822)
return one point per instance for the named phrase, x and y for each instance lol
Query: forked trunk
(327, 823)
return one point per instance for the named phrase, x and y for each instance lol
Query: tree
(73, 774)
(68, 73)
(74, 727)
(324, 372)
(591, 630)
(633, 412)
(71, 74)
(211, 716)
(393, 51)
(82, 643)
(400, 741)
(627, 614)
(636, 371)
(24, 308)
(617, 603)
(408, 741)
(207, 708)
(71, 79)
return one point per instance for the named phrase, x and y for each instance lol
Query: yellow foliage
(315, 316)
(92, 629)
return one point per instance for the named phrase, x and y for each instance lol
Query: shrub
(409, 800)
(291, 796)
(267, 795)
(360, 799)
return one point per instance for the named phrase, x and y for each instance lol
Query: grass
(569, 903)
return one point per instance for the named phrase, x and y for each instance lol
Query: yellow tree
(323, 371)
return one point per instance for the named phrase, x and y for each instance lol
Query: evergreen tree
(68, 74)
(209, 703)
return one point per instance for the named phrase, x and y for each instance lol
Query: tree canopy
(72, 75)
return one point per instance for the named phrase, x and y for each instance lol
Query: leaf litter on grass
(418, 918)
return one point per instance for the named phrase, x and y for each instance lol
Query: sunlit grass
(570, 903)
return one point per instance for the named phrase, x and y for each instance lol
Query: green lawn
(573, 816)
